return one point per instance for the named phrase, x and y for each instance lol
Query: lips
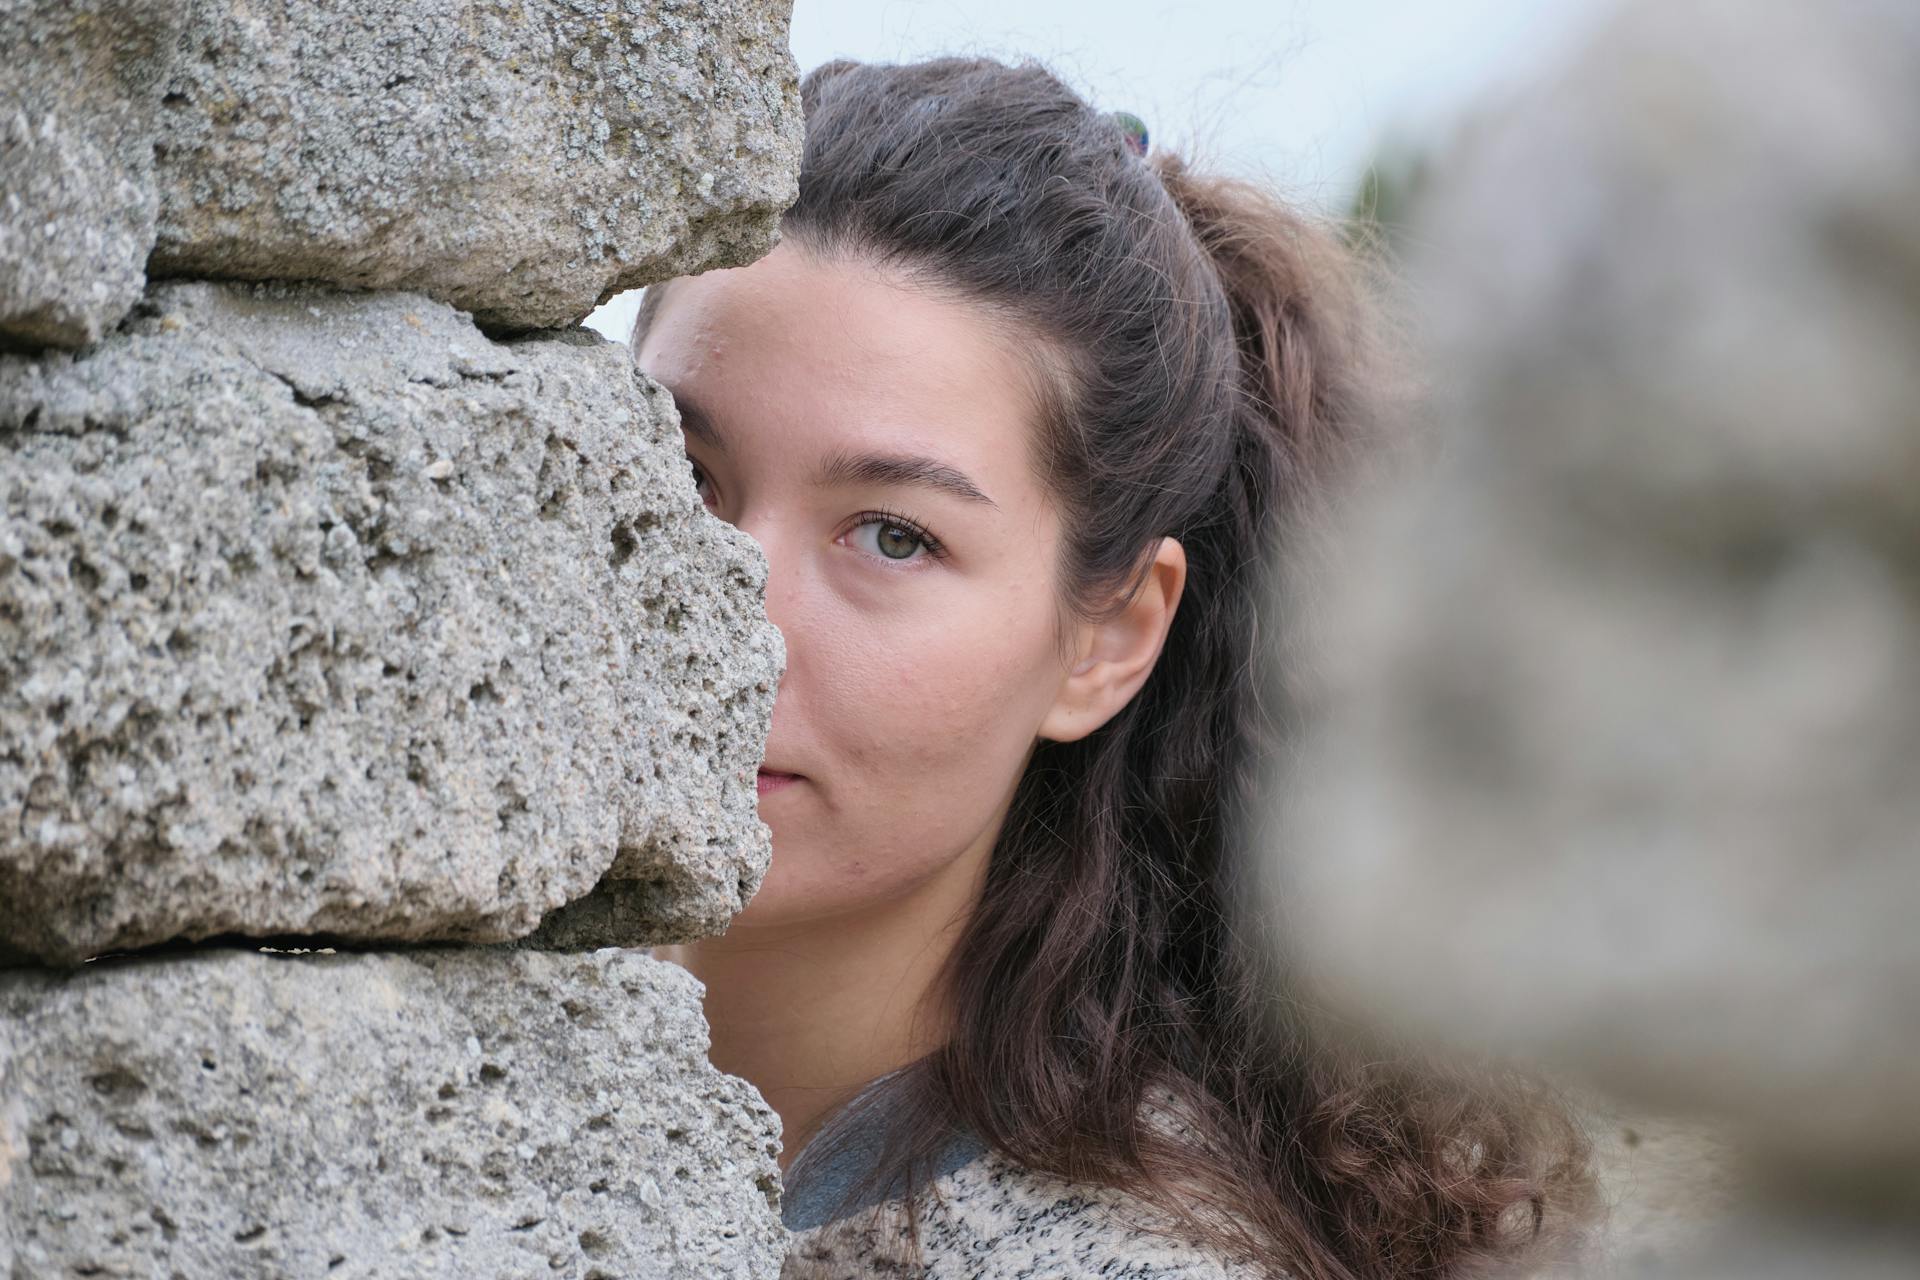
(769, 780)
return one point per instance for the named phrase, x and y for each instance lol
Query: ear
(1112, 659)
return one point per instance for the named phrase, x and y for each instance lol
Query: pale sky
(1297, 92)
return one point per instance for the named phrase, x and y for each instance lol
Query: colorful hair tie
(1134, 127)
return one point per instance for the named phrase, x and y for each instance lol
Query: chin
(779, 900)
(803, 886)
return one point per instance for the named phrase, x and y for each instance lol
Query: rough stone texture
(445, 1114)
(1614, 762)
(521, 159)
(322, 614)
(77, 196)
(13, 1144)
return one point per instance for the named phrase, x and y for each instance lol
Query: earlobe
(1114, 657)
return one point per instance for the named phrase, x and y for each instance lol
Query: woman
(1017, 415)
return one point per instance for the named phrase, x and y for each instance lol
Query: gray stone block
(452, 1113)
(521, 161)
(1613, 765)
(321, 614)
(77, 197)
(13, 1145)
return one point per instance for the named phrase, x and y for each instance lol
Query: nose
(760, 526)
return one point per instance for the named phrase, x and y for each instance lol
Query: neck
(809, 1013)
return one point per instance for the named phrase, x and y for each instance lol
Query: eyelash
(936, 550)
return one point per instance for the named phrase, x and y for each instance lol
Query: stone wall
(1610, 755)
(372, 681)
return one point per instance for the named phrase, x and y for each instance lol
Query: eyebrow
(695, 422)
(852, 468)
(888, 468)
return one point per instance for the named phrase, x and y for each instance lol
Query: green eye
(891, 538)
(896, 542)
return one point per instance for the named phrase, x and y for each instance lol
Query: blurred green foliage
(1382, 209)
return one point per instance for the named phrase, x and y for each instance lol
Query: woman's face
(875, 440)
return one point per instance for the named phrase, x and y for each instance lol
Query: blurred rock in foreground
(1610, 756)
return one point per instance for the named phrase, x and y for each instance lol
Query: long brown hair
(1205, 359)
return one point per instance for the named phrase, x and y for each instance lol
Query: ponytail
(1300, 317)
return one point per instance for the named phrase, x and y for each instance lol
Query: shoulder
(991, 1219)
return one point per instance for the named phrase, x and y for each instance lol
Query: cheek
(947, 707)
(923, 723)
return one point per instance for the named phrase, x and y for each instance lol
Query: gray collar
(817, 1183)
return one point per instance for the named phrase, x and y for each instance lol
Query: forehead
(841, 343)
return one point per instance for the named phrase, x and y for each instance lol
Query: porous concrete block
(454, 1113)
(322, 614)
(1612, 762)
(521, 159)
(13, 1145)
(77, 196)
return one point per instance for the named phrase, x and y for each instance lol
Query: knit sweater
(985, 1219)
